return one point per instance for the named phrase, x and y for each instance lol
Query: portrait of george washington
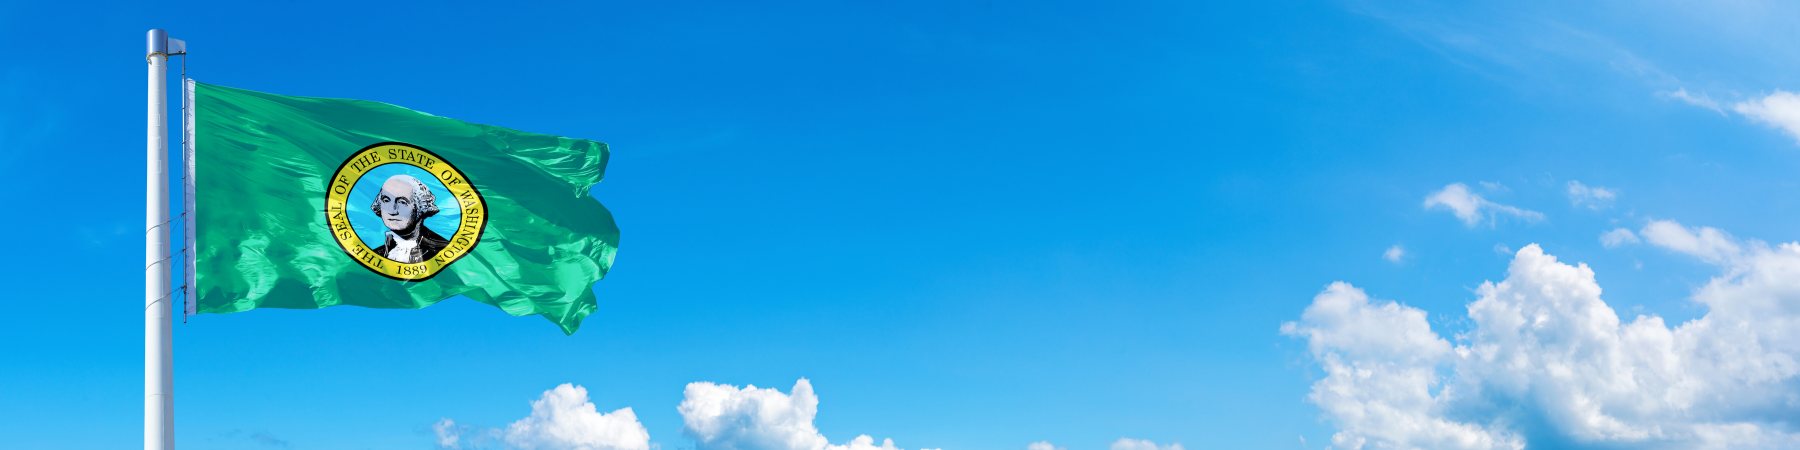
(403, 205)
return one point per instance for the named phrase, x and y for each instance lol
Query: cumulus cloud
(1141, 444)
(1595, 198)
(724, 417)
(1043, 445)
(1471, 208)
(1780, 109)
(1618, 237)
(1545, 359)
(1394, 254)
(1381, 363)
(564, 419)
(561, 419)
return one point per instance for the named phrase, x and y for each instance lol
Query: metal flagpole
(159, 373)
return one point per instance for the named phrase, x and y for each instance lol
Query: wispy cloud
(1394, 254)
(268, 440)
(1525, 44)
(1618, 237)
(1701, 100)
(1530, 44)
(449, 433)
(1472, 209)
(1595, 197)
(1780, 109)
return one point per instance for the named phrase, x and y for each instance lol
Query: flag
(302, 202)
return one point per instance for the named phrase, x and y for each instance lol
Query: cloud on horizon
(1546, 361)
(724, 417)
(562, 419)
(1142, 444)
(715, 416)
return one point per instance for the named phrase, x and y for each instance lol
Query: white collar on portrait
(402, 249)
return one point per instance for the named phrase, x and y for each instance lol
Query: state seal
(413, 196)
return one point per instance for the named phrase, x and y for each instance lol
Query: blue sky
(980, 225)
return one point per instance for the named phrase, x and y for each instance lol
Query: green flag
(300, 202)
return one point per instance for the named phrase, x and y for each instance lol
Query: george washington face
(403, 202)
(396, 200)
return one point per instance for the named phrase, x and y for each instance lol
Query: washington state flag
(300, 202)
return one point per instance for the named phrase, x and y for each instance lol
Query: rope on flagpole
(184, 298)
(187, 243)
(186, 247)
(153, 304)
(165, 222)
(165, 258)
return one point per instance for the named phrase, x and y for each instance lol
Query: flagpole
(159, 386)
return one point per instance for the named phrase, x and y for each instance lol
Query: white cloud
(864, 442)
(1394, 254)
(1701, 100)
(562, 419)
(1545, 357)
(1380, 361)
(1707, 243)
(1141, 444)
(1780, 109)
(1043, 445)
(448, 434)
(1595, 198)
(724, 417)
(1502, 249)
(1618, 237)
(1527, 44)
(1471, 208)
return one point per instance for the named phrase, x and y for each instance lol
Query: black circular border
(478, 197)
